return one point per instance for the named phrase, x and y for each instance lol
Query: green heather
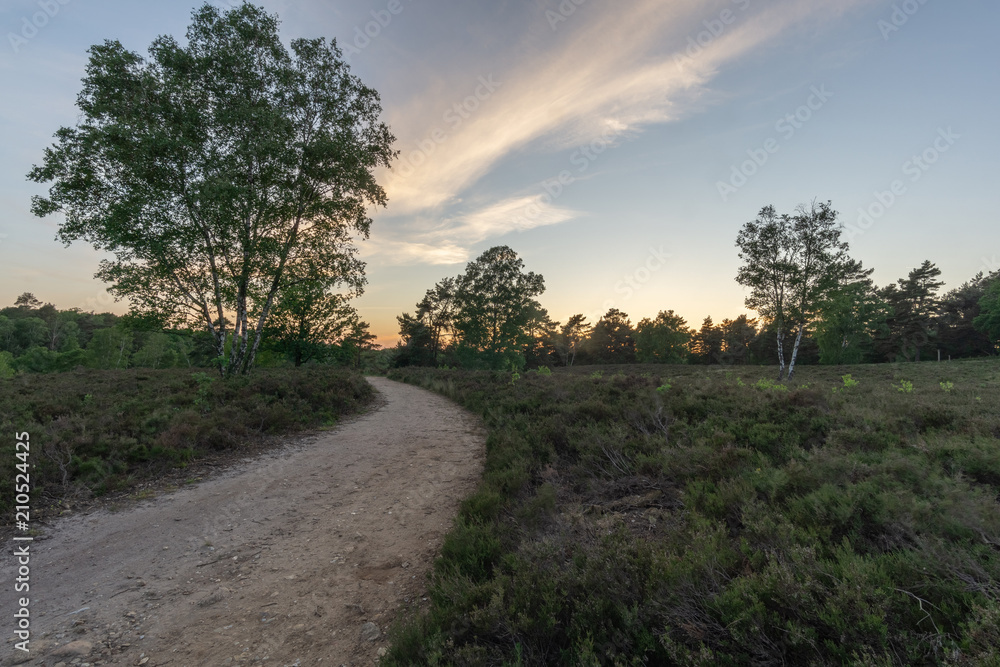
(95, 431)
(692, 516)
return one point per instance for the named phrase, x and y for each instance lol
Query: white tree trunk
(795, 350)
(781, 352)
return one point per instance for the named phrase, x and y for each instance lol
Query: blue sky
(669, 125)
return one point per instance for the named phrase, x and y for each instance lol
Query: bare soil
(302, 556)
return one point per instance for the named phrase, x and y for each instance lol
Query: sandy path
(300, 557)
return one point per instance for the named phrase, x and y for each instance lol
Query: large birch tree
(215, 170)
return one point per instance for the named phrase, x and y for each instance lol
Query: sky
(618, 147)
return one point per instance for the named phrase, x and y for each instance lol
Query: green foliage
(28, 333)
(426, 334)
(201, 399)
(905, 387)
(612, 340)
(708, 344)
(307, 318)
(74, 338)
(37, 359)
(957, 335)
(617, 524)
(947, 386)
(988, 320)
(94, 431)
(485, 318)
(157, 351)
(768, 383)
(850, 317)
(42, 339)
(662, 340)
(110, 348)
(912, 308)
(6, 365)
(572, 337)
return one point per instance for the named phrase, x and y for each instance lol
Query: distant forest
(905, 321)
(474, 321)
(40, 338)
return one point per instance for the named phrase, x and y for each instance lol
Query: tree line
(40, 338)
(814, 304)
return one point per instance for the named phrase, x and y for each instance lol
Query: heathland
(98, 431)
(710, 516)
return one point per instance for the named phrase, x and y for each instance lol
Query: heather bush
(95, 431)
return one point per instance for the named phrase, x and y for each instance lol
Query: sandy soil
(303, 556)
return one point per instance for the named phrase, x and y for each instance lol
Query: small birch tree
(791, 263)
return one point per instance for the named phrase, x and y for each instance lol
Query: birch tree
(574, 332)
(214, 169)
(768, 253)
(791, 263)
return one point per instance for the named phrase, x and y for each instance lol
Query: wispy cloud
(401, 252)
(513, 214)
(449, 241)
(614, 68)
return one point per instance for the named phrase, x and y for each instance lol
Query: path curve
(300, 557)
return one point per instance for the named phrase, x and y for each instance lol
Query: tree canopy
(662, 340)
(495, 305)
(612, 340)
(988, 321)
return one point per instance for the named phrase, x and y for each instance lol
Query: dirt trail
(300, 557)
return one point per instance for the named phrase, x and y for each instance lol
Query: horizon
(599, 167)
